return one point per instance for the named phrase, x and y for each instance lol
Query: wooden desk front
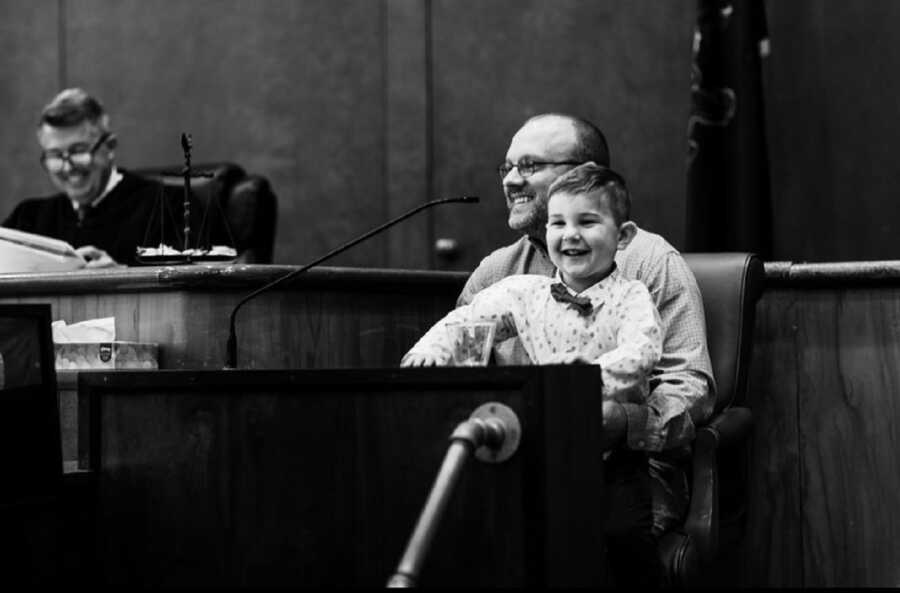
(326, 318)
(316, 478)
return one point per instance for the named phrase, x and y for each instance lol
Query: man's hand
(96, 258)
(614, 424)
(419, 360)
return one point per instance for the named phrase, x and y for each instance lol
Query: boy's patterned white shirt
(622, 333)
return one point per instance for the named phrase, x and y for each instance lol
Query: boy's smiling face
(583, 237)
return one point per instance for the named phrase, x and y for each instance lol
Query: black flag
(728, 187)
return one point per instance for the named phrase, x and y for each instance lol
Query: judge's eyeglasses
(79, 156)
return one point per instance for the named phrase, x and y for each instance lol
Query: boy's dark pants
(631, 548)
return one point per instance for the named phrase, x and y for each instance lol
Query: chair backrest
(247, 202)
(731, 284)
(29, 421)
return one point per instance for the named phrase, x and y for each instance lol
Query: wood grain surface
(327, 318)
(825, 469)
(823, 473)
(316, 478)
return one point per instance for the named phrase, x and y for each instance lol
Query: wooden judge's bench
(325, 318)
(823, 481)
(309, 463)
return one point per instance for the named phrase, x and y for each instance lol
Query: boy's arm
(627, 367)
(434, 348)
(494, 304)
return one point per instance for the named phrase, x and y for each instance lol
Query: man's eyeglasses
(527, 168)
(54, 161)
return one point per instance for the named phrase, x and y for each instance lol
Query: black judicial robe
(127, 218)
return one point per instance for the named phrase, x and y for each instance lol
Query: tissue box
(106, 355)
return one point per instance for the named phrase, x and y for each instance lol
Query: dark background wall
(834, 123)
(357, 110)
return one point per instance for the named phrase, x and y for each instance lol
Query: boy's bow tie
(562, 295)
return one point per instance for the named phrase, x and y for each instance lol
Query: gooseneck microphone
(231, 345)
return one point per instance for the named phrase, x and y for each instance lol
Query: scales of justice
(196, 247)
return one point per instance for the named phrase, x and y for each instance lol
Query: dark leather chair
(731, 284)
(246, 202)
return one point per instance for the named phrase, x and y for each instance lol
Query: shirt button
(640, 443)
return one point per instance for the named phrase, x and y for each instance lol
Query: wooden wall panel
(773, 543)
(831, 87)
(625, 66)
(407, 131)
(848, 348)
(826, 473)
(293, 90)
(359, 110)
(29, 70)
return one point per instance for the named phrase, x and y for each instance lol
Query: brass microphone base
(500, 418)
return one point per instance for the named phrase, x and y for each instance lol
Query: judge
(103, 211)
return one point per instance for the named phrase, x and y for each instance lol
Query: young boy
(588, 312)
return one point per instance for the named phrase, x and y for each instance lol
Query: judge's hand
(419, 360)
(95, 257)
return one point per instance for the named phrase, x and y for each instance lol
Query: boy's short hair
(590, 177)
(71, 107)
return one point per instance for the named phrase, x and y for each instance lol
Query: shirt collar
(594, 290)
(114, 178)
(539, 245)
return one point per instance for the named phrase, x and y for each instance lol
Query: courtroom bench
(326, 318)
(824, 473)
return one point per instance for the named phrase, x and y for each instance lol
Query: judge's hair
(72, 107)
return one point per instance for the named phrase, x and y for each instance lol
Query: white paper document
(22, 252)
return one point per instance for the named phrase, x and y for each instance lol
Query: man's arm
(615, 423)
(521, 257)
(478, 280)
(682, 388)
(15, 219)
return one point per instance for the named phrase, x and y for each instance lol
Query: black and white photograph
(449, 294)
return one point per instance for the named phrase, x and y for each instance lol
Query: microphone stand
(186, 144)
(231, 345)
